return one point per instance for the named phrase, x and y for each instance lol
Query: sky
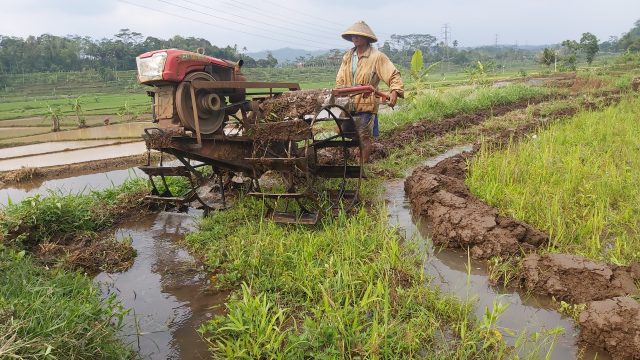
(315, 25)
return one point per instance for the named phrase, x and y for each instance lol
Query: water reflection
(115, 131)
(71, 185)
(166, 290)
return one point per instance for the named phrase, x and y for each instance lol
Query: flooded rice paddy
(65, 157)
(115, 131)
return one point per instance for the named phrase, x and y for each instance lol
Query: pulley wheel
(210, 120)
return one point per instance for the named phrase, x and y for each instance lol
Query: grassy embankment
(52, 312)
(348, 287)
(436, 105)
(578, 181)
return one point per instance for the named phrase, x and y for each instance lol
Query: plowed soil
(577, 280)
(430, 128)
(614, 324)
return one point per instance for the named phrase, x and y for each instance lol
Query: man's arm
(391, 76)
(341, 77)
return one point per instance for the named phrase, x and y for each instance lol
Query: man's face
(358, 40)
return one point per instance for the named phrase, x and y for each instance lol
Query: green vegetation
(349, 287)
(50, 314)
(577, 181)
(631, 39)
(56, 216)
(436, 105)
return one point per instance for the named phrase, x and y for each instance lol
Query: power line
(218, 26)
(261, 12)
(256, 20)
(301, 12)
(249, 25)
(315, 16)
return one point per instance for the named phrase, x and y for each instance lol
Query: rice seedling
(577, 181)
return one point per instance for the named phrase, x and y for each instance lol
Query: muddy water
(49, 147)
(166, 290)
(119, 131)
(72, 185)
(450, 271)
(75, 156)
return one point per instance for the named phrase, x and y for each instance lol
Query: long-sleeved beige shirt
(372, 67)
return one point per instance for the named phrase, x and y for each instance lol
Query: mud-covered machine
(225, 131)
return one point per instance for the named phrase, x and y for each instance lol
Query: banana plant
(77, 108)
(55, 115)
(419, 73)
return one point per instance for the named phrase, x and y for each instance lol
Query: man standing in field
(363, 65)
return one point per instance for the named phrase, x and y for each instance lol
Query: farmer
(363, 65)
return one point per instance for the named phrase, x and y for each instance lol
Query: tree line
(47, 53)
(75, 53)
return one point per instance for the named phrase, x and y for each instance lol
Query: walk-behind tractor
(292, 148)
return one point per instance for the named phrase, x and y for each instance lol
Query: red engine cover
(180, 62)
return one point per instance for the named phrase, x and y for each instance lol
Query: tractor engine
(171, 71)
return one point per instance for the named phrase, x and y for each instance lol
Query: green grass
(347, 287)
(578, 181)
(59, 216)
(50, 314)
(92, 104)
(435, 105)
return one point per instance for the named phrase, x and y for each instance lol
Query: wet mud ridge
(458, 219)
(26, 174)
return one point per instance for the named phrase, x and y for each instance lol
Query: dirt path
(458, 219)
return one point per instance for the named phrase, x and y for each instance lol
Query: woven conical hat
(360, 28)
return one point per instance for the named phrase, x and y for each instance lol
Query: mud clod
(293, 104)
(574, 278)
(460, 220)
(90, 256)
(613, 324)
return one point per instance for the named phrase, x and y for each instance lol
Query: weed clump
(64, 229)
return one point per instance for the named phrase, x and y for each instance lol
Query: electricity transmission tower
(447, 35)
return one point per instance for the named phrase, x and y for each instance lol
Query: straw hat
(360, 28)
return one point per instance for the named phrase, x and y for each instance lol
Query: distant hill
(286, 54)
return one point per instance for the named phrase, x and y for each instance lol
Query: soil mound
(613, 324)
(460, 220)
(577, 279)
(89, 256)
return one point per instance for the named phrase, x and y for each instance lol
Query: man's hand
(393, 98)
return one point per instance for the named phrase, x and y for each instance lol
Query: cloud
(317, 24)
